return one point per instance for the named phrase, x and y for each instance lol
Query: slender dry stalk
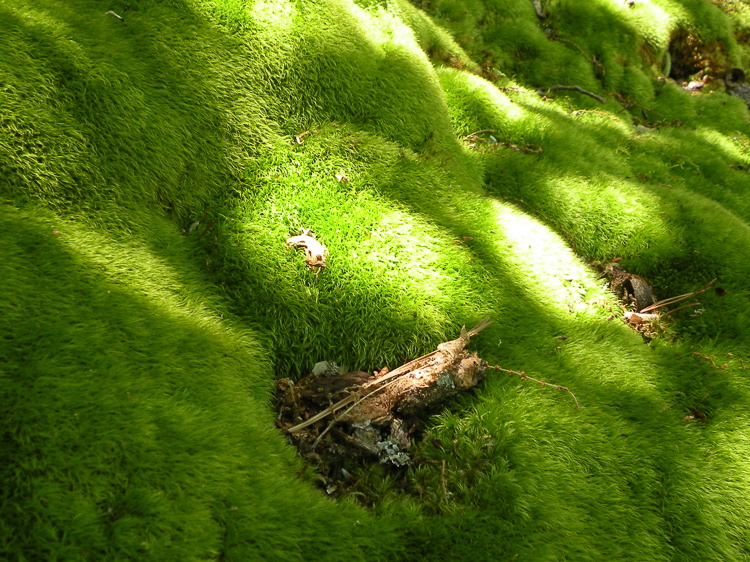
(673, 300)
(443, 481)
(682, 307)
(524, 377)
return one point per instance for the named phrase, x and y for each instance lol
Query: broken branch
(208, 226)
(576, 89)
(349, 409)
(424, 370)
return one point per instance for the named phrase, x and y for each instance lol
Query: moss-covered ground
(149, 176)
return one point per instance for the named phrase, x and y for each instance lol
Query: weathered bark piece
(631, 289)
(372, 417)
(415, 385)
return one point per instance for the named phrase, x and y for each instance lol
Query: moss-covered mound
(156, 154)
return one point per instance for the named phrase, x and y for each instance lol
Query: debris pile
(641, 310)
(630, 289)
(336, 418)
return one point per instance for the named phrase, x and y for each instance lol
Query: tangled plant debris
(632, 290)
(379, 399)
(636, 293)
(336, 418)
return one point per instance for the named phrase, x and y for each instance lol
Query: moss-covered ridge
(150, 177)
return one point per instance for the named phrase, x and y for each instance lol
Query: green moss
(136, 415)
(150, 174)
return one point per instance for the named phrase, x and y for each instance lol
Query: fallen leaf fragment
(114, 15)
(315, 252)
(695, 414)
(300, 139)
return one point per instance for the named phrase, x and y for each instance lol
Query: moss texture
(149, 176)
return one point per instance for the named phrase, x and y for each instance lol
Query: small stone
(326, 368)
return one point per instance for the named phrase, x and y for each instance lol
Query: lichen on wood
(333, 418)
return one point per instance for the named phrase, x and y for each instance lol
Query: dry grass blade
(684, 306)
(673, 300)
(349, 409)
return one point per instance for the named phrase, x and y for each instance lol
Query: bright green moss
(150, 176)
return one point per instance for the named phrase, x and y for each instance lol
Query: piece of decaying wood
(419, 389)
(414, 385)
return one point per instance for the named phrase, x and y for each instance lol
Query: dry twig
(524, 377)
(208, 226)
(439, 359)
(576, 89)
(710, 359)
(443, 481)
(673, 300)
(349, 409)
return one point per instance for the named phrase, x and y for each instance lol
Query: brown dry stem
(579, 90)
(349, 409)
(524, 377)
(673, 300)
